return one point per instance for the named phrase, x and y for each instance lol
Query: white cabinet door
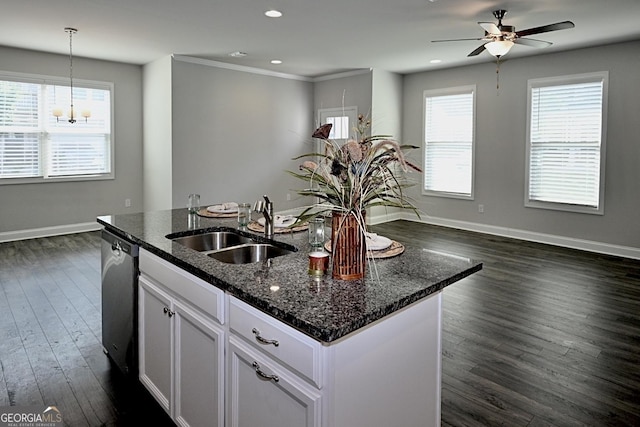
(155, 341)
(262, 393)
(199, 370)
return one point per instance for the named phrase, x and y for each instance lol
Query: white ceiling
(314, 37)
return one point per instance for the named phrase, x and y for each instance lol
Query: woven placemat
(204, 212)
(394, 249)
(255, 226)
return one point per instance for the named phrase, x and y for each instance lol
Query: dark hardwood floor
(50, 336)
(542, 336)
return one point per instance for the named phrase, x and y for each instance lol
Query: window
(566, 143)
(449, 139)
(343, 120)
(340, 128)
(37, 147)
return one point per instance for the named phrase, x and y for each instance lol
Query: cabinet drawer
(191, 289)
(285, 344)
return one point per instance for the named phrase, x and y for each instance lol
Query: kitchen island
(289, 349)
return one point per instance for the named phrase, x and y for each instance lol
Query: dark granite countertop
(324, 309)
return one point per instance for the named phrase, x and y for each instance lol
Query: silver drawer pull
(256, 366)
(263, 340)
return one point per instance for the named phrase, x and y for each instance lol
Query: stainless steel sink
(248, 253)
(212, 241)
(232, 247)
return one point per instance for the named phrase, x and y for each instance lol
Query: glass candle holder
(244, 214)
(316, 232)
(193, 203)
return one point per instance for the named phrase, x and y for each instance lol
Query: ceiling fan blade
(532, 42)
(478, 51)
(546, 28)
(490, 28)
(455, 40)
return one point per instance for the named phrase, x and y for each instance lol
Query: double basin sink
(231, 247)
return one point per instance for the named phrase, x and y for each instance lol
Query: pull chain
(498, 76)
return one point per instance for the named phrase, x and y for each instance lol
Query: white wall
(343, 90)
(232, 134)
(33, 206)
(386, 99)
(158, 120)
(235, 133)
(501, 141)
(386, 119)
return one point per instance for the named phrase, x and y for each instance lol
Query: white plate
(220, 209)
(377, 243)
(280, 221)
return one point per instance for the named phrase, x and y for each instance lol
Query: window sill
(564, 207)
(76, 178)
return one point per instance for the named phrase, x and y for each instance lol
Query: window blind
(448, 163)
(34, 145)
(565, 143)
(19, 129)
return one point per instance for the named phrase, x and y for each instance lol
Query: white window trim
(557, 81)
(444, 92)
(55, 80)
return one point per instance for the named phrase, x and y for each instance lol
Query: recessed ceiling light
(276, 61)
(273, 13)
(237, 54)
(435, 61)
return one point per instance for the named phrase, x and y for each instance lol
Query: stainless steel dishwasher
(119, 301)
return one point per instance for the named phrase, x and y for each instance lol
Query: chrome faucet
(267, 210)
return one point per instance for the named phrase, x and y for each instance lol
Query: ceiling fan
(500, 38)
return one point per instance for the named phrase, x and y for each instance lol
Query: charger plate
(255, 226)
(395, 249)
(204, 212)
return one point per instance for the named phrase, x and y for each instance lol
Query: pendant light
(57, 112)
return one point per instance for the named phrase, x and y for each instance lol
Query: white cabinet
(262, 393)
(181, 346)
(213, 360)
(291, 348)
(273, 372)
(385, 374)
(155, 340)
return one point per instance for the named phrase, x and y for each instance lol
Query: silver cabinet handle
(256, 366)
(264, 340)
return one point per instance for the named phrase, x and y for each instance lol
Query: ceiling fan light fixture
(499, 48)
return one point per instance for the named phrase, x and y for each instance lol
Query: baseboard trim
(531, 236)
(58, 230)
(549, 239)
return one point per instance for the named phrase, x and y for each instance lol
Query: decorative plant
(365, 171)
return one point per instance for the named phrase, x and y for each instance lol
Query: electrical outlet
(127, 203)
(288, 197)
(481, 208)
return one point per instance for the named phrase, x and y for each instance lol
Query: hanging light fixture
(499, 48)
(57, 112)
(71, 31)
